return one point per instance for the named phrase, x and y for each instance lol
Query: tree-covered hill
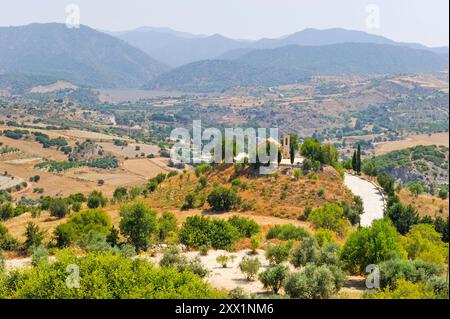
(424, 164)
(82, 56)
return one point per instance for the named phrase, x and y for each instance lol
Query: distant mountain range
(291, 64)
(176, 48)
(83, 56)
(166, 59)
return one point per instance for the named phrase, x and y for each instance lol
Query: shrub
(58, 207)
(246, 227)
(254, 242)
(96, 200)
(329, 255)
(274, 277)
(138, 223)
(80, 224)
(250, 267)
(403, 217)
(371, 245)
(287, 232)
(202, 169)
(223, 199)
(77, 198)
(120, 193)
(276, 254)
(7, 242)
(443, 194)
(166, 223)
(412, 270)
(172, 174)
(404, 290)
(306, 252)
(330, 216)
(200, 231)
(424, 242)
(99, 274)
(222, 260)
(223, 235)
(76, 207)
(173, 258)
(189, 201)
(39, 254)
(2, 262)
(324, 236)
(237, 293)
(6, 211)
(112, 237)
(34, 236)
(297, 173)
(203, 250)
(313, 282)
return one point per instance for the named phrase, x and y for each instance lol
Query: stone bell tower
(286, 143)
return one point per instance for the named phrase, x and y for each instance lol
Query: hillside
(277, 196)
(425, 164)
(82, 56)
(218, 75)
(294, 64)
(348, 58)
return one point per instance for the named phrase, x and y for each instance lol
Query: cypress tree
(358, 159)
(354, 164)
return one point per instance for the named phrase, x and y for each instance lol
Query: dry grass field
(129, 150)
(411, 141)
(425, 204)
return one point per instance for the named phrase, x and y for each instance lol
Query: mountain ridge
(82, 55)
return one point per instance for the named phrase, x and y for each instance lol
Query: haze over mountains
(83, 56)
(166, 46)
(166, 59)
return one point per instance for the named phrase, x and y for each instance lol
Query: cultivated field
(129, 150)
(411, 141)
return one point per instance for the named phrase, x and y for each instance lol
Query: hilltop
(82, 56)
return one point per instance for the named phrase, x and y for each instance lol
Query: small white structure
(287, 161)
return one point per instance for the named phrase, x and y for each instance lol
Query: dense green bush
(81, 224)
(200, 231)
(59, 207)
(96, 200)
(330, 216)
(167, 223)
(103, 276)
(306, 252)
(138, 224)
(425, 243)
(371, 245)
(7, 242)
(403, 217)
(411, 270)
(222, 199)
(276, 254)
(287, 232)
(247, 227)
(34, 236)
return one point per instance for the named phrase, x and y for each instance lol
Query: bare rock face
(87, 151)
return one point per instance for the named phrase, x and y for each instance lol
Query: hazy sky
(424, 21)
